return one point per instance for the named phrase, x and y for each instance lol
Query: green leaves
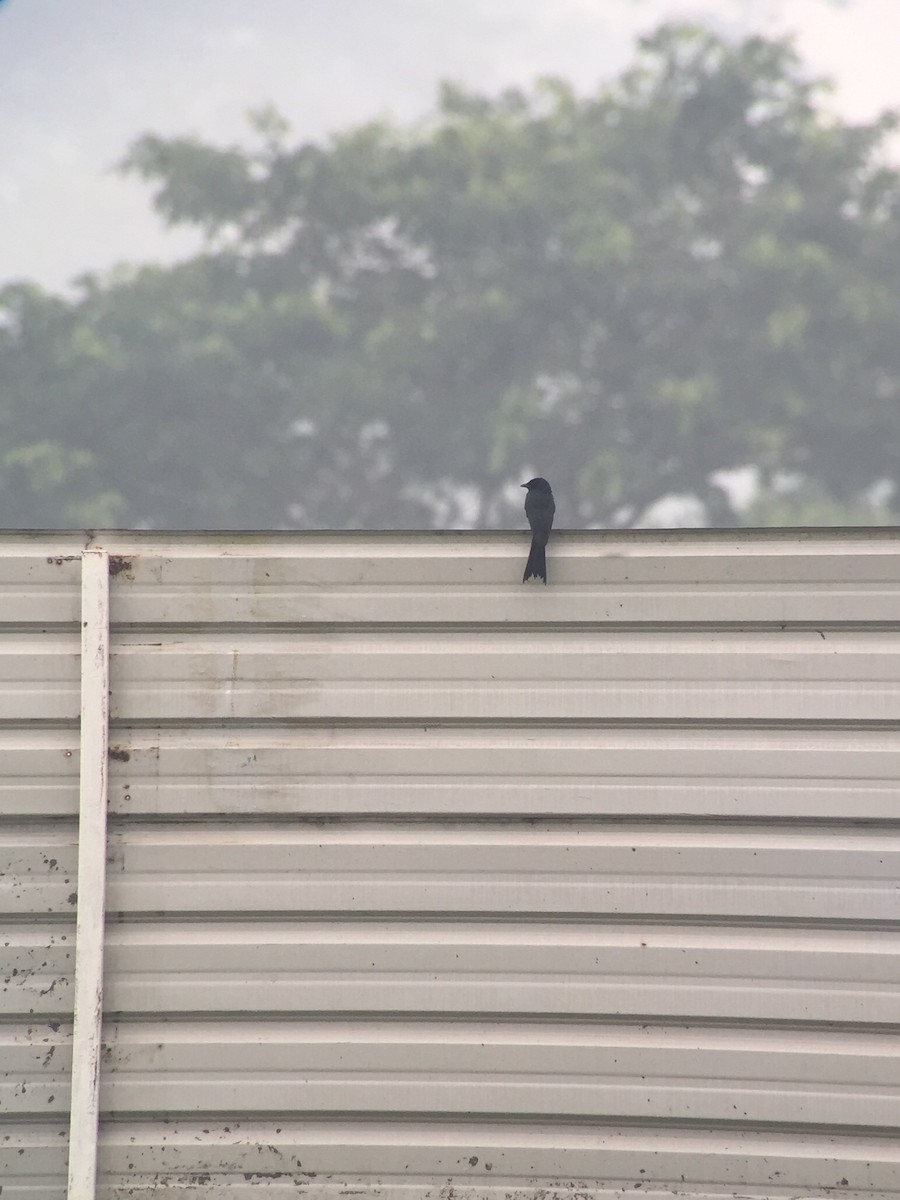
(695, 269)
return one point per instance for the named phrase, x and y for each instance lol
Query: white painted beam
(88, 1015)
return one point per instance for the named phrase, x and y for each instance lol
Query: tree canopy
(693, 270)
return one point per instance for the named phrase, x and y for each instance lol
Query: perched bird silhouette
(539, 509)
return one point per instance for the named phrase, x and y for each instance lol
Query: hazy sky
(80, 79)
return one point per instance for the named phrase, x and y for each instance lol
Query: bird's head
(537, 485)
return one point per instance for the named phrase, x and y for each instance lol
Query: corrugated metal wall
(422, 883)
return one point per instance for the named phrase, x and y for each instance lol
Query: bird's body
(539, 509)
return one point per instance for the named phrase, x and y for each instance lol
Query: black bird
(539, 509)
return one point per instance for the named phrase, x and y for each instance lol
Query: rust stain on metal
(117, 564)
(119, 754)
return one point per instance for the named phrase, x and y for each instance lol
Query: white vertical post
(88, 1014)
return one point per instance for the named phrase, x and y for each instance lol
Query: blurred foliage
(695, 269)
(805, 503)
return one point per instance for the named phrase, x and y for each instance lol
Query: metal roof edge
(774, 533)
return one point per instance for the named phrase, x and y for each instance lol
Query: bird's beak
(523, 485)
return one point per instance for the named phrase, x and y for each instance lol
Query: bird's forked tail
(537, 563)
